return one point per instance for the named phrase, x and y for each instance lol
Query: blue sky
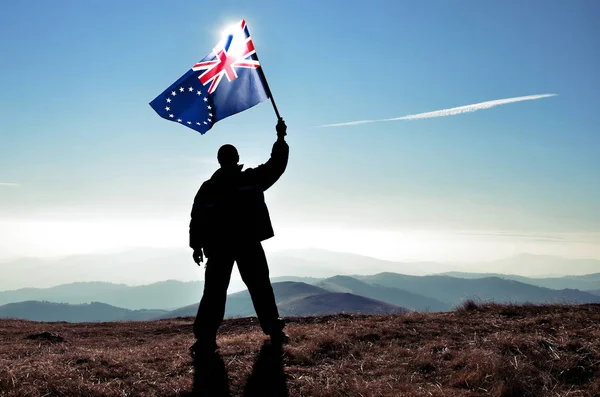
(80, 145)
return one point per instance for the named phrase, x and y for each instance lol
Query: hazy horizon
(50, 239)
(143, 266)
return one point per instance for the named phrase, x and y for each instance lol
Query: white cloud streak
(9, 184)
(449, 112)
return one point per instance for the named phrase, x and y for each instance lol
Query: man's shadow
(210, 377)
(267, 377)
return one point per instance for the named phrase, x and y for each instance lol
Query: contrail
(449, 112)
(9, 184)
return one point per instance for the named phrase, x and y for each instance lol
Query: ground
(478, 350)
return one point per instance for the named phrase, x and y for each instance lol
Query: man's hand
(198, 256)
(281, 129)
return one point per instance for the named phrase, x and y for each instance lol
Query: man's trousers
(253, 268)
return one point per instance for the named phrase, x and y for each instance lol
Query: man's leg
(254, 270)
(212, 306)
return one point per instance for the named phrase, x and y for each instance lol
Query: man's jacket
(230, 207)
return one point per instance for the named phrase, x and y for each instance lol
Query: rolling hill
(298, 299)
(394, 296)
(336, 302)
(161, 295)
(88, 312)
(582, 283)
(239, 304)
(454, 290)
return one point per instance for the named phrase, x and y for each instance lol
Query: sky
(87, 166)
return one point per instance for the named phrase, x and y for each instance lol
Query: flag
(225, 82)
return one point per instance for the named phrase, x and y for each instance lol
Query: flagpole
(262, 75)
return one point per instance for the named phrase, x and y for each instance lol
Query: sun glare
(229, 29)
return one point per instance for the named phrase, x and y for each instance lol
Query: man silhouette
(228, 222)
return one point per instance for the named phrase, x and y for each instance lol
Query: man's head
(228, 156)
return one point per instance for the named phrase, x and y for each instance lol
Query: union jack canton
(225, 82)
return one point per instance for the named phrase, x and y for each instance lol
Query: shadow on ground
(267, 377)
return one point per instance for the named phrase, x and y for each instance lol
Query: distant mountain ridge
(151, 265)
(168, 294)
(454, 290)
(409, 300)
(87, 312)
(582, 282)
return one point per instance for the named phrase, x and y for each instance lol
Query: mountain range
(324, 282)
(381, 293)
(416, 293)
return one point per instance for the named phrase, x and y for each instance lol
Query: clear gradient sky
(86, 165)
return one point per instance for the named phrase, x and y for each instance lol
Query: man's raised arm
(268, 173)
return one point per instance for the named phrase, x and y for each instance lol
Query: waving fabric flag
(225, 82)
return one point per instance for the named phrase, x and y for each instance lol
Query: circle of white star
(191, 90)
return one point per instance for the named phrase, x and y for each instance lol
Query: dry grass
(480, 349)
